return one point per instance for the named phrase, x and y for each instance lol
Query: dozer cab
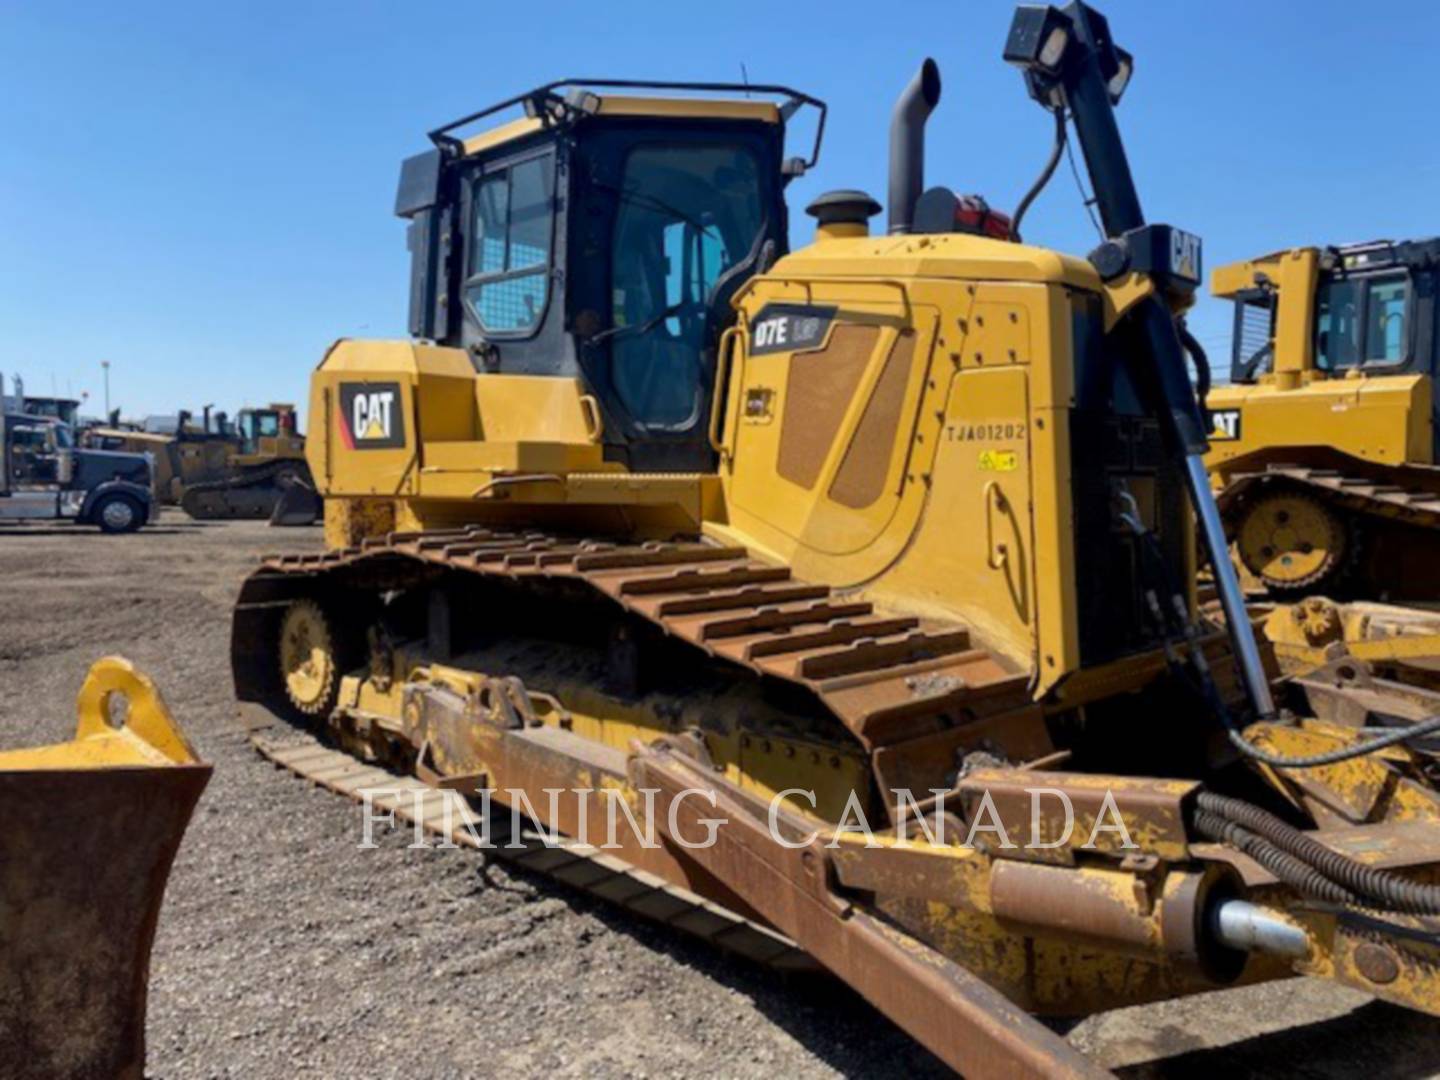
(1324, 447)
(897, 528)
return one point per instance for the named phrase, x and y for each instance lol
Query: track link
(886, 678)
(1359, 494)
(208, 500)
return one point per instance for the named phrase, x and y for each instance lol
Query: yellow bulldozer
(757, 547)
(91, 829)
(251, 467)
(1324, 445)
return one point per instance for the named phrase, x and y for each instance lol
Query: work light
(1042, 42)
(1039, 38)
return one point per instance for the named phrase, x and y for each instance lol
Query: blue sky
(200, 193)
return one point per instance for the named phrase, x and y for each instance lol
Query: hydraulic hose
(1339, 754)
(1153, 560)
(1428, 726)
(1204, 377)
(1296, 873)
(1241, 823)
(1043, 179)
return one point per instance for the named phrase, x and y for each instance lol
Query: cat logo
(371, 417)
(1185, 255)
(1226, 425)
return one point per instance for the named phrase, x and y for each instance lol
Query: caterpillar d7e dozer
(91, 828)
(1324, 448)
(655, 512)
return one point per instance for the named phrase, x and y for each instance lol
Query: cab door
(34, 460)
(26, 491)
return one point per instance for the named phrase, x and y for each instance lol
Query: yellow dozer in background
(253, 467)
(91, 827)
(895, 527)
(1324, 446)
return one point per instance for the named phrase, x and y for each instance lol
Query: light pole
(105, 366)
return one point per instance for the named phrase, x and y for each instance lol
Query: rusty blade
(84, 856)
(966, 1023)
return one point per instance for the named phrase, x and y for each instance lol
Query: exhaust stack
(907, 144)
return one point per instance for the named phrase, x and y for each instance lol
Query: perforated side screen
(860, 479)
(818, 390)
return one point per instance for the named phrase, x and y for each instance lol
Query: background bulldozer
(253, 467)
(1324, 448)
(897, 526)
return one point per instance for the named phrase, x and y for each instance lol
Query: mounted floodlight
(1042, 42)
(1053, 51)
(1039, 38)
(583, 101)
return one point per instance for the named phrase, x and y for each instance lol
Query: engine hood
(93, 467)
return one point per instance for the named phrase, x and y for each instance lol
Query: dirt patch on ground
(284, 949)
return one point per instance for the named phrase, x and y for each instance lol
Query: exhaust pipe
(907, 144)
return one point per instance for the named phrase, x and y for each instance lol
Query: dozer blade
(91, 827)
(299, 504)
(966, 1023)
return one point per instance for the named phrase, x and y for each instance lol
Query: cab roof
(662, 108)
(1234, 278)
(560, 103)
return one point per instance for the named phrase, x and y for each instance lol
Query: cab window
(1253, 337)
(1362, 322)
(32, 453)
(687, 214)
(31, 439)
(1385, 321)
(512, 221)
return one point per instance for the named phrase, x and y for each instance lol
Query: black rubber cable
(1204, 378)
(1211, 693)
(1378, 887)
(1291, 870)
(1044, 177)
(1428, 726)
(1087, 200)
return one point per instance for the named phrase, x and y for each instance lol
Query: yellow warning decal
(999, 460)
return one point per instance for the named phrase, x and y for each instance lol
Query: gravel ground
(286, 950)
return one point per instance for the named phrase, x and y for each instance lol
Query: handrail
(536, 98)
(724, 354)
